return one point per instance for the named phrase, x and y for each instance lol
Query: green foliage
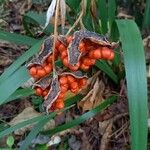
(17, 38)
(134, 61)
(74, 5)
(146, 22)
(84, 117)
(135, 69)
(10, 141)
(103, 65)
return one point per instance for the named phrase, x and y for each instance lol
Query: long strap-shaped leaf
(17, 38)
(68, 125)
(136, 82)
(84, 117)
(20, 93)
(10, 85)
(11, 129)
(146, 21)
(35, 131)
(101, 64)
(12, 68)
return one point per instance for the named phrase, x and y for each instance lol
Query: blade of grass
(19, 94)
(146, 22)
(10, 85)
(35, 18)
(20, 125)
(20, 61)
(36, 119)
(17, 38)
(135, 68)
(73, 100)
(103, 15)
(111, 11)
(107, 69)
(82, 118)
(39, 126)
(35, 131)
(74, 5)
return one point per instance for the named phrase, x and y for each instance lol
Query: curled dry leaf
(50, 12)
(93, 98)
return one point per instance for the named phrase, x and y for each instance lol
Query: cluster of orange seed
(90, 53)
(67, 82)
(89, 56)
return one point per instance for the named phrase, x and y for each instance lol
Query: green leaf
(35, 18)
(146, 22)
(35, 131)
(10, 141)
(135, 68)
(82, 118)
(39, 126)
(8, 87)
(35, 119)
(103, 15)
(111, 11)
(101, 64)
(38, 19)
(74, 5)
(87, 21)
(42, 147)
(73, 100)
(17, 38)
(12, 68)
(3, 126)
(20, 93)
(20, 125)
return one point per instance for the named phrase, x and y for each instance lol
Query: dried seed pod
(44, 52)
(44, 82)
(74, 53)
(86, 45)
(76, 74)
(53, 94)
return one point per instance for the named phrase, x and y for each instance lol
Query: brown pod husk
(46, 50)
(62, 39)
(52, 95)
(43, 82)
(74, 53)
(76, 74)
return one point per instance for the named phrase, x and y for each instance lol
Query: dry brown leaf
(28, 113)
(5, 60)
(94, 97)
(95, 90)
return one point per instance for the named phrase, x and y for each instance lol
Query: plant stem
(55, 36)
